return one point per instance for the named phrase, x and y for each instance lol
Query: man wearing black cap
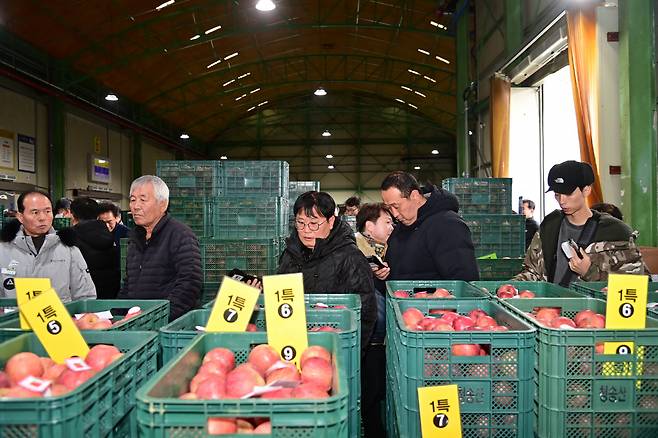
(576, 243)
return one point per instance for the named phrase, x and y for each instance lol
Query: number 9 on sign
(626, 310)
(440, 420)
(288, 353)
(285, 310)
(624, 349)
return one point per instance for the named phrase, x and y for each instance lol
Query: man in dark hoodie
(430, 241)
(96, 244)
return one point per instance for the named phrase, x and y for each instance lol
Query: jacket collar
(140, 232)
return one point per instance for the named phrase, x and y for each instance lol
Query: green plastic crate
(574, 397)
(191, 178)
(178, 334)
(127, 219)
(297, 188)
(499, 269)
(60, 223)
(460, 289)
(208, 293)
(594, 289)
(256, 256)
(503, 234)
(155, 314)
(8, 309)
(496, 391)
(161, 414)
(242, 217)
(255, 178)
(542, 289)
(195, 212)
(481, 195)
(94, 408)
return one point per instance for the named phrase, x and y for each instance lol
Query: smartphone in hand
(376, 262)
(242, 276)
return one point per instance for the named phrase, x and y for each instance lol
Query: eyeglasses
(312, 226)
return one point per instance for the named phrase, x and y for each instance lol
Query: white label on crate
(200, 328)
(274, 386)
(77, 364)
(34, 384)
(106, 314)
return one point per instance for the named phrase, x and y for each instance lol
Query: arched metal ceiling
(153, 57)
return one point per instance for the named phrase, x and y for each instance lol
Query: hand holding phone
(376, 262)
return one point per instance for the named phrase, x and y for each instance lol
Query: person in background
(63, 208)
(164, 259)
(96, 244)
(111, 215)
(531, 225)
(352, 205)
(30, 247)
(611, 209)
(602, 243)
(324, 250)
(431, 241)
(375, 225)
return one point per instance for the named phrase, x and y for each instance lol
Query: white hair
(160, 189)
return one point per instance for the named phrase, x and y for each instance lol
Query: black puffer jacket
(437, 246)
(334, 266)
(167, 266)
(96, 244)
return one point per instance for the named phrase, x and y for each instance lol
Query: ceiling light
(416, 167)
(330, 167)
(195, 37)
(329, 156)
(228, 83)
(470, 132)
(440, 26)
(255, 90)
(412, 105)
(430, 79)
(265, 5)
(223, 157)
(263, 103)
(232, 55)
(326, 133)
(424, 52)
(212, 64)
(442, 59)
(212, 29)
(240, 97)
(320, 92)
(420, 94)
(164, 5)
(435, 152)
(111, 97)
(184, 136)
(252, 108)
(406, 88)
(244, 75)
(413, 71)
(400, 100)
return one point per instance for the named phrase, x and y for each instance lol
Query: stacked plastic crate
(485, 204)
(297, 188)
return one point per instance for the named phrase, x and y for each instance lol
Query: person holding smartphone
(575, 242)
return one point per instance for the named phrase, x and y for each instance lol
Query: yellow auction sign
(233, 307)
(26, 289)
(438, 407)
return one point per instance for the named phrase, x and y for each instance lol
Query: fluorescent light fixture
(195, 37)
(440, 26)
(263, 103)
(228, 83)
(212, 29)
(330, 167)
(111, 97)
(265, 5)
(442, 59)
(252, 108)
(424, 52)
(326, 133)
(184, 136)
(412, 105)
(435, 152)
(413, 71)
(232, 55)
(429, 79)
(400, 100)
(164, 5)
(255, 90)
(416, 167)
(406, 88)
(420, 94)
(329, 156)
(212, 64)
(320, 92)
(223, 157)
(244, 75)
(240, 97)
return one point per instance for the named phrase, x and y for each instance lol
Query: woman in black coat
(324, 250)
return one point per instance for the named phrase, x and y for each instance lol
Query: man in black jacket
(430, 241)
(96, 244)
(164, 260)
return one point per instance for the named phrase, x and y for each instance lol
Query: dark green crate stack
(485, 205)
(61, 223)
(297, 188)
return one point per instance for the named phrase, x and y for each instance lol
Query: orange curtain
(583, 64)
(499, 114)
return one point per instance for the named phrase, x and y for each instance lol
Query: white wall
(151, 152)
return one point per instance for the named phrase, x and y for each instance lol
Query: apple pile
(225, 426)
(91, 321)
(60, 378)
(585, 319)
(439, 292)
(219, 378)
(509, 291)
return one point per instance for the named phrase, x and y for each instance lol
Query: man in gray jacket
(29, 247)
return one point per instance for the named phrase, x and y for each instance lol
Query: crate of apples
(439, 292)
(509, 291)
(98, 321)
(551, 317)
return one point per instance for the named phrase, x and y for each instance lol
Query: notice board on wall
(27, 153)
(6, 149)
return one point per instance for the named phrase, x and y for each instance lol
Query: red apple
(242, 381)
(506, 291)
(599, 348)
(279, 393)
(465, 349)
(4, 380)
(102, 324)
(327, 328)
(100, 356)
(401, 294)
(213, 387)
(223, 355)
(54, 372)
(412, 317)
(263, 428)
(309, 390)
(563, 323)
(58, 389)
(262, 357)
(244, 427)
(24, 364)
(46, 362)
(499, 328)
(221, 426)
(582, 315)
(72, 379)
(596, 321)
(486, 322)
(213, 367)
(440, 326)
(463, 323)
(526, 294)
(188, 396)
(319, 372)
(20, 392)
(476, 313)
(449, 317)
(420, 295)
(315, 351)
(87, 321)
(289, 374)
(252, 327)
(442, 293)
(546, 314)
(426, 323)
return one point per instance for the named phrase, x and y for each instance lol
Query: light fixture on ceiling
(420, 94)
(212, 64)
(320, 92)
(244, 75)
(240, 97)
(435, 152)
(330, 167)
(329, 156)
(470, 132)
(232, 55)
(184, 136)
(442, 59)
(400, 100)
(111, 97)
(424, 52)
(164, 5)
(326, 133)
(413, 72)
(439, 25)
(252, 108)
(265, 5)
(223, 157)
(212, 29)
(404, 87)
(430, 79)
(416, 167)
(228, 83)
(263, 103)
(255, 90)
(412, 105)
(195, 37)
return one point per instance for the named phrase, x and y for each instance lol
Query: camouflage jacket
(613, 250)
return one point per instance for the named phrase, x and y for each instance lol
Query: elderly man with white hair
(163, 259)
